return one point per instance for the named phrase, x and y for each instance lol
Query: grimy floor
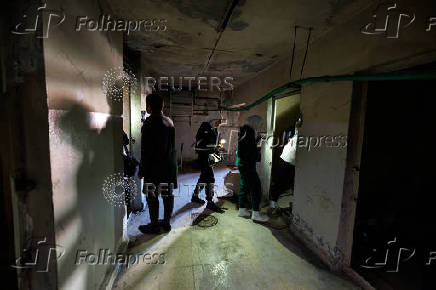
(235, 253)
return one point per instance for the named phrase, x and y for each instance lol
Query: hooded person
(247, 156)
(205, 144)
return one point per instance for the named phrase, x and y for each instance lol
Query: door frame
(354, 152)
(356, 128)
(267, 163)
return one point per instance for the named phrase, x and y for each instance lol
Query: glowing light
(98, 120)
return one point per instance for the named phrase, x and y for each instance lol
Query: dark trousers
(249, 185)
(153, 205)
(284, 181)
(206, 179)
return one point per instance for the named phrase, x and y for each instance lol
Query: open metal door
(266, 159)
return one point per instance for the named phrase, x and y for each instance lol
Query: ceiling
(198, 41)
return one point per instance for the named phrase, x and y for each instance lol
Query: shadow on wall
(86, 157)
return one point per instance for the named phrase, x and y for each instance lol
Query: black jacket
(206, 139)
(158, 151)
(247, 147)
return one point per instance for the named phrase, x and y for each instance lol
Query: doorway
(392, 240)
(132, 120)
(284, 112)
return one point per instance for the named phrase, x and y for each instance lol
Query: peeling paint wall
(85, 143)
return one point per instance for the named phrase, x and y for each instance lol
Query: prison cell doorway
(394, 225)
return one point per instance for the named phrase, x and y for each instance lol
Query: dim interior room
(297, 132)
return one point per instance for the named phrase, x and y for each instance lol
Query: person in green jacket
(246, 158)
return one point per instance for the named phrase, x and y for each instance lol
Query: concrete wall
(186, 129)
(25, 162)
(326, 107)
(85, 142)
(320, 171)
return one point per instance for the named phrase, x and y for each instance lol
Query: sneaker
(196, 199)
(165, 226)
(274, 212)
(149, 229)
(259, 217)
(272, 204)
(213, 207)
(243, 212)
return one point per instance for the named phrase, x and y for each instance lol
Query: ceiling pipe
(220, 29)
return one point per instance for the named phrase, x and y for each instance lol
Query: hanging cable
(305, 54)
(293, 53)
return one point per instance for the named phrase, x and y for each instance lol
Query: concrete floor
(233, 254)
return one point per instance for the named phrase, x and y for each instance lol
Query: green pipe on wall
(395, 76)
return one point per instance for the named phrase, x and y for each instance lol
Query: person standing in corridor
(247, 156)
(206, 144)
(158, 164)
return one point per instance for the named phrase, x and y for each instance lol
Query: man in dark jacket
(206, 143)
(250, 183)
(158, 164)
